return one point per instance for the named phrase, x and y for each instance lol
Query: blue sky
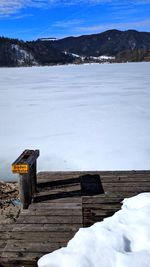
(32, 19)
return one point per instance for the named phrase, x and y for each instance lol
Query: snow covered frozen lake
(81, 117)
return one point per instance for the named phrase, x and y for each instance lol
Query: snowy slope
(87, 117)
(22, 56)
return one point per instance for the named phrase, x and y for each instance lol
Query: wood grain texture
(61, 207)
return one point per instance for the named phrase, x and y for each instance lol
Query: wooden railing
(25, 166)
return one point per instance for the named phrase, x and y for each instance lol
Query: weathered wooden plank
(59, 203)
(137, 189)
(124, 173)
(42, 227)
(88, 221)
(17, 263)
(52, 237)
(6, 227)
(121, 194)
(28, 246)
(59, 189)
(4, 235)
(52, 212)
(94, 218)
(61, 181)
(97, 212)
(55, 205)
(49, 219)
(48, 197)
(96, 206)
(58, 177)
(45, 197)
(67, 199)
(2, 243)
(24, 258)
(123, 178)
(55, 208)
(102, 200)
(127, 184)
(31, 238)
(41, 175)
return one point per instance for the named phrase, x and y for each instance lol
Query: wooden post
(25, 166)
(33, 178)
(25, 190)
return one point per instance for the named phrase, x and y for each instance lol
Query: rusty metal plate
(20, 168)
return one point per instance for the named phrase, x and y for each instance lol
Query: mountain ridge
(110, 42)
(109, 46)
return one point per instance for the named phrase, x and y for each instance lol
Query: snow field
(81, 117)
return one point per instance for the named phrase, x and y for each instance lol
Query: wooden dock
(65, 202)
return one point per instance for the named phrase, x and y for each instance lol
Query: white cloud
(13, 6)
(122, 26)
(67, 23)
(9, 7)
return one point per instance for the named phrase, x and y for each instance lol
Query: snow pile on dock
(122, 240)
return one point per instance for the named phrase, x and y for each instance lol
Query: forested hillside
(110, 46)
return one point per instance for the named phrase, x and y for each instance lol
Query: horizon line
(73, 36)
